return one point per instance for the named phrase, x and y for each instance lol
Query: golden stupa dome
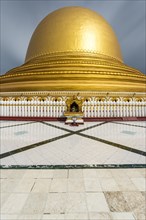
(73, 49)
(74, 29)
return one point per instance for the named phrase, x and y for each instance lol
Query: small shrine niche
(74, 107)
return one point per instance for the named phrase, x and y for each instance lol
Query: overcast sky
(19, 19)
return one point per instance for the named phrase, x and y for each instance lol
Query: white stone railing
(114, 109)
(49, 108)
(32, 108)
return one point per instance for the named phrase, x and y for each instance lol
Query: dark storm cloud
(20, 18)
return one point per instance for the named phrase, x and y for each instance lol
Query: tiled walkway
(71, 194)
(92, 172)
(54, 143)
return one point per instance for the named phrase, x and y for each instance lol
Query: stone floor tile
(45, 174)
(76, 185)
(31, 174)
(8, 217)
(24, 186)
(92, 185)
(30, 217)
(140, 216)
(9, 185)
(60, 173)
(34, 204)
(143, 194)
(22, 159)
(5, 173)
(100, 216)
(14, 203)
(53, 217)
(41, 185)
(1, 181)
(96, 202)
(117, 202)
(8, 161)
(17, 174)
(75, 173)
(14, 174)
(89, 173)
(3, 198)
(121, 173)
(109, 184)
(122, 216)
(76, 203)
(134, 173)
(103, 173)
(140, 183)
(142, 172)
(58, 185)
(125, 184)
(76, 216)
(56, 203)
(135, 200)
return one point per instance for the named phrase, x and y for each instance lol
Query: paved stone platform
(73, 194)
(54, 144)
(95, 171)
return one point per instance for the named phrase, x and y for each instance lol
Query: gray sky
(19, 19)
